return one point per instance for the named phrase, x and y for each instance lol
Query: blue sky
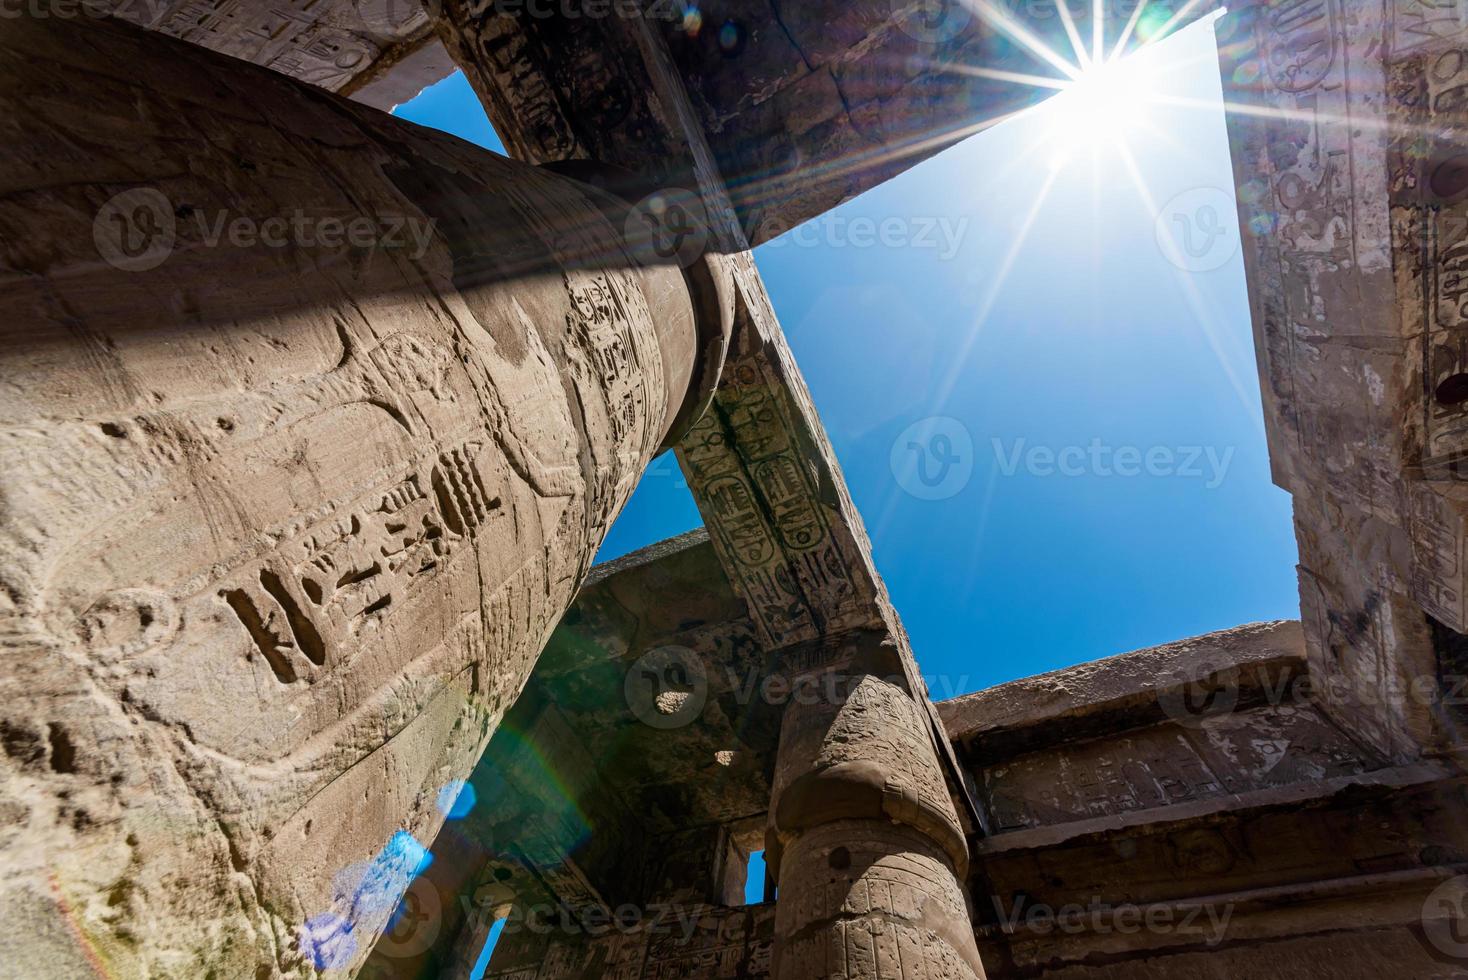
(1035, 364)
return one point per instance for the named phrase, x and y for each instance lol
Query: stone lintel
(1106, 696)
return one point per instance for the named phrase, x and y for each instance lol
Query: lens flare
(1106, 103)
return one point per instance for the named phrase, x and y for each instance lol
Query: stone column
(311, 422)
(864, 840)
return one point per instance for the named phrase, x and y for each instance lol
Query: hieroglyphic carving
(1421, 22)
(533, 68)
(763, 511)
(723, 944)
(1169, 764)
(1343, 245)
(327, 45)
(673, 943)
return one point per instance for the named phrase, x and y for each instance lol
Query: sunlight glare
(1102, 106)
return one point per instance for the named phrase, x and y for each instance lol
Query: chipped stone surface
(864, 841)
(284, 528)
(338, 46)
(1103, 695)
(1351, 198)
(1197, 807)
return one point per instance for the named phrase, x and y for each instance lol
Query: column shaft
(311, 423)
(869, 853)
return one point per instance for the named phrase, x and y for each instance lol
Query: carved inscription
(762, 508)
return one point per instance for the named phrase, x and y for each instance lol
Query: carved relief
(1300, 42)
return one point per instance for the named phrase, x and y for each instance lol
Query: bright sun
(1103, 104)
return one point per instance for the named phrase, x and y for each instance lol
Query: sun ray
(1181, 17)
(1098, 31)
(1003, 22)
(1205, 320)
(1291, 115)
(1018, 78)
(1079, 46)
(996, 286)
(1126, 32)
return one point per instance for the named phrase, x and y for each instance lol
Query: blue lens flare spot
(327, 941)
(456, 799)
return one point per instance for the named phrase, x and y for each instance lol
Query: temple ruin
(296, 544)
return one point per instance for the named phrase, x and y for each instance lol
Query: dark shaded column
(869, 854)
(311, 422)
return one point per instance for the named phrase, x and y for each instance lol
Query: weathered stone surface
(1195, 806)
(864, 840)
(1347, 158)
(339, 46)
(1107, 695)
(284, 527)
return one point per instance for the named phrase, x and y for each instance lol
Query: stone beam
(339, 45)
(1347, 130)
(802, 105)
(312, 423)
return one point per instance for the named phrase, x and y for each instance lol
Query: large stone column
(864, 840)
(311, 422)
